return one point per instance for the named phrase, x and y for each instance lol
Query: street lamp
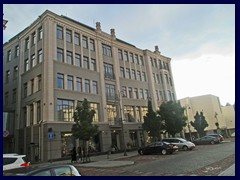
(121, 119)
(4, 23)
(188, 124)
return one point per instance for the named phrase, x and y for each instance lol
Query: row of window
(8, 74)
(9, 53)
(76, 84)
(159, 64)
(157, 78)
(77, 38)
(14, 97)
(130, 57)
(33, 61)
(34, 85)
(34, 37)
(135, 75)
(29, 116)
(66, 109)
(77, 61)
(136, 93)
(162, 96)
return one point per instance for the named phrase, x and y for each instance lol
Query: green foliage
(173, 115)
(152, 123)
(199, 123)
(83, 129)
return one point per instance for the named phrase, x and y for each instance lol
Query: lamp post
(4, 23)
(188, 124)
(121, 119)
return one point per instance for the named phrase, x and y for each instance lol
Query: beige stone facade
(213, 112)
(56, 62)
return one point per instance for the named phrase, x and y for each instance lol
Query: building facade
(213, 112)
(56, 62)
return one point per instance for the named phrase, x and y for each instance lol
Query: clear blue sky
(200, 39)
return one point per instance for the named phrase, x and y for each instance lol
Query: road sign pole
(50, 151)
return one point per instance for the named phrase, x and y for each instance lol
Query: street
(203, 160)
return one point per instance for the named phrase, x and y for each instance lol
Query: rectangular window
(17, 51)
(68, 35)
(76, 39)
(39, 82)
(27, 44)
(92, 45)
(31, 114)
(157, 95)
(141, 61)
(32, 86)
(131, 57)
(166, 77)
(136, 61)
(122, 72)
(108, 71)
(160, 64)
(14, 95)
(155, 63)
(85, 62)
(107, 50)
(26, 65)
(9, 56)
(126, 56)
(141, 95)
(87, 86)
(138, 75)
(70, 82)
(40, 56)
(130, 93)
(120, 55)
(40, 33)
(69, 57)
(59, 32)
(15, 72)
(124, 91)
(94, 87)
(60, 55)
(170, 81)
(93, 65)
(133, 74)
(79, 84)
(160, 95)
(136, 93)
(65, 109)
(94, 107)
(39, 117)
(110, 92)
(7, 76)
(84, 42)
(127, 73)
(154, 78)
(78, 60)
(33, 38)
(143, 76)
(33, 63)
(60, 81)
(146, 93)
(25, 90)
(151, 62)
(158, 78)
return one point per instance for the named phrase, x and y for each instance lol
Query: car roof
(46, 167)
(13, 155)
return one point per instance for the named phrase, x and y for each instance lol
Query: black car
(158, 147)
(206, 140)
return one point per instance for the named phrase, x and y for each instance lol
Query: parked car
(158, 147)
(54, 170)
(206, 140)
(181, 143)
(13, 161)
(219, 136)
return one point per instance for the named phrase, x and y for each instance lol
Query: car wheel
(164, 151)
(185, 148)
(140, 152)
(212, 142)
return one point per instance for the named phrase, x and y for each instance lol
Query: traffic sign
(50, 135)
(5, 133)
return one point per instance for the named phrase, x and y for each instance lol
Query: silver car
(181, 143)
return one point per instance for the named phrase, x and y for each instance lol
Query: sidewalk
(229, 171)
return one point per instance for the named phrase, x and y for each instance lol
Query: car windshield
(183, 140)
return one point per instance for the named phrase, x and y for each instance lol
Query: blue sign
(50, 135)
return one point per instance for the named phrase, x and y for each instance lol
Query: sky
(199, 38)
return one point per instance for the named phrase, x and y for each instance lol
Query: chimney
(98, 26)
(157, 50)
(113, 33)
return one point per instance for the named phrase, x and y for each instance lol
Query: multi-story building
(213, 112)
(56, 62)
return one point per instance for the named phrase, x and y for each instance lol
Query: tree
(199, 123)
(83, 129)
(173, 115)
(152, 123)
